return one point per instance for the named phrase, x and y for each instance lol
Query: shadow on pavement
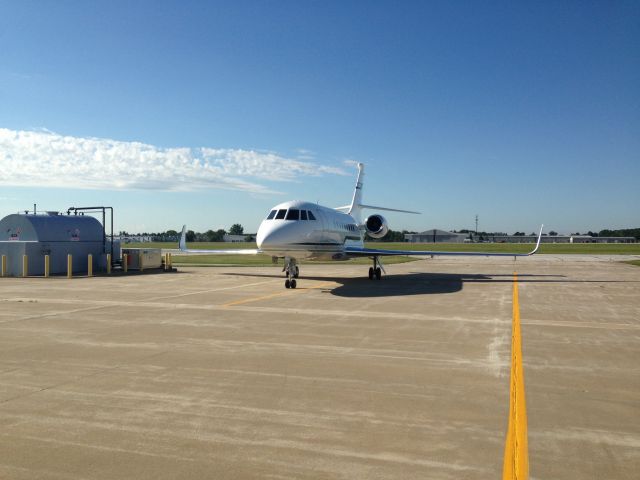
(405, 284)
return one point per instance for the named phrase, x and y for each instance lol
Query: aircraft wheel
(287, 283)
(370, 273)
(293, 284)
(378, 273)
(296, 273)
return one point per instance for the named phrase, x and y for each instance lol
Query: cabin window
(303, 214)
(294, 214)
(280, 215)
(272, 214)
(311, 217)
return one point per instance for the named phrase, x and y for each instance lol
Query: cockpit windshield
(291, 214)
(294, 214)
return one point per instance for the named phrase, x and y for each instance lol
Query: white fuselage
(307, 230)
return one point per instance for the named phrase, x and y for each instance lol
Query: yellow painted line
(255, 299)
(516, 452)
(274, 295)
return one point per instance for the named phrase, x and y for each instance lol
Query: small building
(436, 236)
(238, 238)
(54, 235)
(135, 239)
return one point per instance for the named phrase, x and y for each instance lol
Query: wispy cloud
(46, 159)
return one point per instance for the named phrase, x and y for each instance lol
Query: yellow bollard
(108, 264)
(3, 269)
(25, 265)
(47, 268)
(125, 261)
(89, 265)
(69, 265)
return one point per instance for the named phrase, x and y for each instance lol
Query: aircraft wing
(373, 252)
(183, 248)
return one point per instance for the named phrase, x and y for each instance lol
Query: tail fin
(356, 207)
(356, 203)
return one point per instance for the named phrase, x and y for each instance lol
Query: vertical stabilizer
(356, 203)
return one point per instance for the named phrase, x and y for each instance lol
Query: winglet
(538, 242)
(182, 245)
(372, 207)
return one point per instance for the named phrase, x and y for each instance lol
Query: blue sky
(174, 112)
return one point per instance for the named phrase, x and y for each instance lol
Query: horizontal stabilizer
(371, 207)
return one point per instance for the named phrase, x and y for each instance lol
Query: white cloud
(46, 159)
(350, 163)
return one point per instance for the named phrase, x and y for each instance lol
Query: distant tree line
(624, 232)
(191, 236)
(391, 236)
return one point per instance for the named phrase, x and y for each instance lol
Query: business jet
(297, 229)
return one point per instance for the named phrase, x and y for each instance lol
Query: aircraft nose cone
(261, 237)
(270, 236)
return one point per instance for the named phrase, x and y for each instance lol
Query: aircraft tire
(293, 284)
(370, 273)
(378, 273)
(287, 283)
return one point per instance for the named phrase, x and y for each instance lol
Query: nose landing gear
(291, 271)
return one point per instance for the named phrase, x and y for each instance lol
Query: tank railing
(75, 211)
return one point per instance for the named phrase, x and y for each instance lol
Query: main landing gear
(376, 270)
(291, 271)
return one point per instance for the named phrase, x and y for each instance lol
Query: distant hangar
(436, 236)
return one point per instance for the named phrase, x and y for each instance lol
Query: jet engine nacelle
(376, 226)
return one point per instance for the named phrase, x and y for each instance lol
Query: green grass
(634, 262)
(261, 260)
